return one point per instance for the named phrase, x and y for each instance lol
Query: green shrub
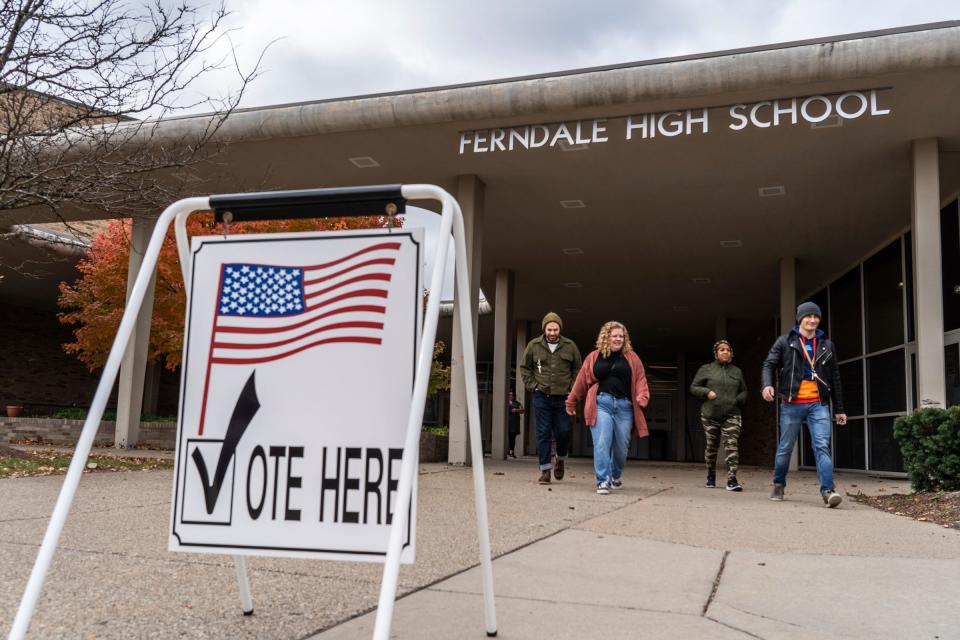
(930, 442)
(440, 430)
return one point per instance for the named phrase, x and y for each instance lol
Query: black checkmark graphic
(247, 406)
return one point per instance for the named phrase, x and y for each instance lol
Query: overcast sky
(328, 49)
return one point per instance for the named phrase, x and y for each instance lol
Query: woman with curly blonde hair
(613, 386)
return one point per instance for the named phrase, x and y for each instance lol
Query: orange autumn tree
(95, 302)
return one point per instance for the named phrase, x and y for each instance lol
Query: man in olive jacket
(548, 368)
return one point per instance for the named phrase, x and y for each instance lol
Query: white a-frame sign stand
(230, 495)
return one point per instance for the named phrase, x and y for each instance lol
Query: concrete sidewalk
(664, 558)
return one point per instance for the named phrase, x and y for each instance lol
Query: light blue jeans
(819, 425)
(611, 436)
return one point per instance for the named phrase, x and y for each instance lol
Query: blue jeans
(611, 436)
(817, 417)
(550, 412)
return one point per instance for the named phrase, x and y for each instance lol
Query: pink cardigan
(585, 388)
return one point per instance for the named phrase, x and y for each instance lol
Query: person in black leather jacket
(809, 379)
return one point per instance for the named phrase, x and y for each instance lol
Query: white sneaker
(831, 498)
(603, 488)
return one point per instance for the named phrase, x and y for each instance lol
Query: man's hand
(841, 418)
(768, 394)
(571, 412)
(711, 395)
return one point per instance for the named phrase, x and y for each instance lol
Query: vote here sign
(298, 370)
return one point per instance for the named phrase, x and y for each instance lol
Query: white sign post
(303, 388)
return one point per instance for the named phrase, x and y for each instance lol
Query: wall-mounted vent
(830, 122)
(573, 204)
(573, 147)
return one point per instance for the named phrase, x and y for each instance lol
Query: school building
(689, 198)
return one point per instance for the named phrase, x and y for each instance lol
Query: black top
(614, 374)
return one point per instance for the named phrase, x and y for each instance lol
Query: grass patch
(109, 415)
(52, 463)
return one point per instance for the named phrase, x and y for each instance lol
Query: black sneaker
(733, 485)
(777, 494)
(711, 481)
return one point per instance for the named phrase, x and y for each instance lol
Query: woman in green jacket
(720, 384)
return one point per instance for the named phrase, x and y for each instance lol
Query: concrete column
(502, 350)
(788, 310)
(134, 363)
(928, 291)
(470, 192)
(520, 391)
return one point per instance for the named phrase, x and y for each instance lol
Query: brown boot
(558, 469)
(544, 477)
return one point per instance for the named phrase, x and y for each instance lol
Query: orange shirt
(808, 392)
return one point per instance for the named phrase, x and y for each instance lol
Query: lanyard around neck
(806, 355)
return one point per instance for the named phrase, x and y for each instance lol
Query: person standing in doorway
(547, 369)
(516, 410)
(613, 386)
(721, 386)
(806, 362)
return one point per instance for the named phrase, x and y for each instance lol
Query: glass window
(848, 443)
(851, 385)
(883, 298)
(951, 362)
(913, 381)
(884, 450)
(820, 298)
(950, 263)
(908, 278)
(887, 382)
(845, 315)
(807, 459)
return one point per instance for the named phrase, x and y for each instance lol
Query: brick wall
(34, 370)
(55, 431)
(36, 373)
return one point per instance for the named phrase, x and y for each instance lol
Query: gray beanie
(806, 309)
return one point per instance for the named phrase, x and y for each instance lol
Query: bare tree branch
(84, 87)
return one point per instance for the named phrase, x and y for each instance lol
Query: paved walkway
(664, 558)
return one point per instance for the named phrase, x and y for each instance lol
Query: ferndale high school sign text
(762, 115)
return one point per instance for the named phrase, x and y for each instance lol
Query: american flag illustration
(269, 312)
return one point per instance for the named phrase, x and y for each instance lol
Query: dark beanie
(551, 317)
(806, 309)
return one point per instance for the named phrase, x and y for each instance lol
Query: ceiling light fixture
(364, 162)
(572, 251)
(770, 192)
(700, 280)
(731, 244)
(572, 285)
(573, 204)
(572, 310)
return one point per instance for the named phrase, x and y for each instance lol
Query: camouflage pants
(729, 429)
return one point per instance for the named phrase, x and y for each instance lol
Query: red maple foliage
(97, 299)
